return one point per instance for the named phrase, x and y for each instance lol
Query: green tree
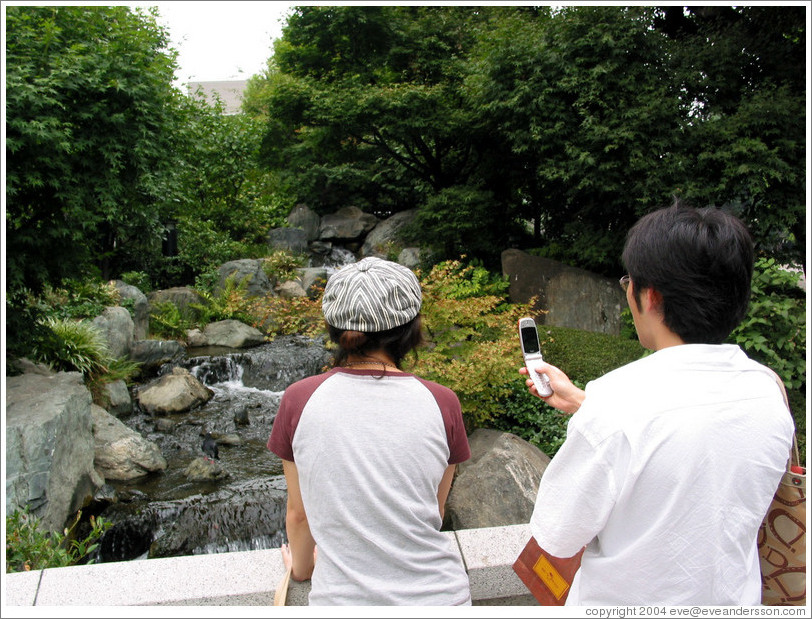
(742, 72)
(90, 118)
(226, 202)
(367, 105)
(585, 104)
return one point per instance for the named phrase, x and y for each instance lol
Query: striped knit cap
(371, 295)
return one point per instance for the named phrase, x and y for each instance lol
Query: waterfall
(165, 514)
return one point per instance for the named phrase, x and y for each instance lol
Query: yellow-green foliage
(284, 316)
(472, 339)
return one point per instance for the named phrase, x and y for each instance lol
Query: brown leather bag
(782, 536)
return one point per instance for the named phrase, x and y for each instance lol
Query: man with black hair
(670, 462)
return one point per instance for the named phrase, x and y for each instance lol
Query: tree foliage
(89, 128)
(577, 120)
(90, 120)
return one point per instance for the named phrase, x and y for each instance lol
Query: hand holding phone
(531, 349)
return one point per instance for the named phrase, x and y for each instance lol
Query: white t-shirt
(370, 452)
(666, 473)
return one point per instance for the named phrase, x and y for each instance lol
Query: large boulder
(152, 354)
(306, 219)
(232, 333)
(117, 396)
(346, 224)
(249, 271)
(498, 485)
(120, 452)
(386, 235)
(566, 296)
(183, 297)
(293, 240)
(173, 393)
(117, 327)
(140, 307)
(49, 446)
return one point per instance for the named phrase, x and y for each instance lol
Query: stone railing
(247, 578)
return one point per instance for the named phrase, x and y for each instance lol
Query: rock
(229, 440)
(182, 297)
(173, 393)
(290, 289)
(241, 416)
(312, 278)
(195, 338)
(303, 217)
(120, 403)
(410, 257)
(26, 366)
(162, 424)
(249, 271)
(293, 240)
(567, 296)
(49, 446)
(117, 327)
(347, 224)
(321, 248)
(152, 354)
(232, 333)
(120, 452)
(498, 485)
(385, 235)
(140, 308)
(203, 469)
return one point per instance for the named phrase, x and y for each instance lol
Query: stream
(165, 514)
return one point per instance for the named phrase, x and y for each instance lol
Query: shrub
(281, 265)
(472, 338)
(29, 548)
(473, 349)
(139, 279)
(774, 333)
(166, 320)
(583, 356)
(74, 298)
(229, 303)
(774, 330)
(72, 345)
(295, 316)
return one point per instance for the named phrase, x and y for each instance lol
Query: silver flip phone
(531, 349)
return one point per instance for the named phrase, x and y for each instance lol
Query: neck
(381, 360)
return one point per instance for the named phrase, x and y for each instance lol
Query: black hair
(397, 342)
(701, 263)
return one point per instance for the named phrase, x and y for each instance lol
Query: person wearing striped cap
(369, 453)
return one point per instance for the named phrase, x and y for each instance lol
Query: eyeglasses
(624, 282)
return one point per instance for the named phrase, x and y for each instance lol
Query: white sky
(221, 40)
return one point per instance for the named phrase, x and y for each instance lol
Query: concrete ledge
(247, 578)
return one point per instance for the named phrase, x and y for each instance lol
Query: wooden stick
(281, 595)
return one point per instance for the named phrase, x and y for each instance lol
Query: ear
(653, 300)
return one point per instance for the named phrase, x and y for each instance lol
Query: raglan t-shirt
(666, 474)
(370, 451)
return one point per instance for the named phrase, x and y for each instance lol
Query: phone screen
(530, 340)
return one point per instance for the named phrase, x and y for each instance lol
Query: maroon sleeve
(290, 411)
(449, 404)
